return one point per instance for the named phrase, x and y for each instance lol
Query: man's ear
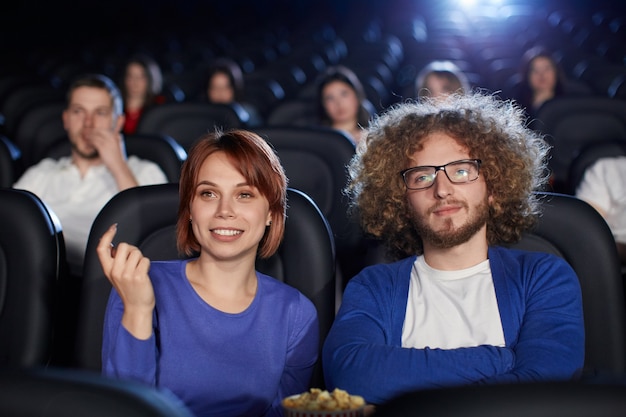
(119, 123)
(64, 117)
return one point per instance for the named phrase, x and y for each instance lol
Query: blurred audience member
(77, 186)
(225, 85)
(440, 78)
(604, 187)
(141, 88)
(541, 80)
(341, 101)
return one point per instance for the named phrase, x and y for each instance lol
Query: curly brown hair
(513, 165)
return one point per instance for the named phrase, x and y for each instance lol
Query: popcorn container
(295, 412)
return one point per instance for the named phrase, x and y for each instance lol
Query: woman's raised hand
(127, 270)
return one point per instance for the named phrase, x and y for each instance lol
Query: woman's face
(220, 90)
(229, 216)
(542, 75)
(439, 85)
(136, 80)
(340, 102)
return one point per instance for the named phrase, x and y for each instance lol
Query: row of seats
(570, 123)
(48, 317)
(314, 158)
(280, 66)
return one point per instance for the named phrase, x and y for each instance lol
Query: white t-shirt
(77, 200)
(451, 309)
(604, 185)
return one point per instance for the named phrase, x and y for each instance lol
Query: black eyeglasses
(458, 172)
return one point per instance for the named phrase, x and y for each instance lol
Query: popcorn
(316, 399)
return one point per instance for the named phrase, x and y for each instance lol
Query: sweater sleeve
(123, 355)
(302, 351)
(549, 342)
(363, 353)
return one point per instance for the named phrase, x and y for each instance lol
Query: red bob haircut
(260, 166)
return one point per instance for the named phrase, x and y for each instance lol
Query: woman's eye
(245, 195)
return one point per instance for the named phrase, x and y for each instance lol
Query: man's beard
(92, 155)
(449, 236)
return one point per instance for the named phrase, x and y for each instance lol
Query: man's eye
(461, 173)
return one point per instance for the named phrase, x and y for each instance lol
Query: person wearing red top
(141, 88)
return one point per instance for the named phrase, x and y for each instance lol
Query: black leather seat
(572, 229)
(38, 128)
(545, 399)
(59, 392)
(32, 268)
(20, 100)
(571, 123)
(10, 162)
(294, 112)
(589, 155)
(187, 121)
(315, 161)
(146, 217)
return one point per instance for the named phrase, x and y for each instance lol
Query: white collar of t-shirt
(451, 309)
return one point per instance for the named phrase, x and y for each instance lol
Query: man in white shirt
(604, 187)
(76, 187)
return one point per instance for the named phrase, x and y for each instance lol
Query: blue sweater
(218, 364)
(540, 305)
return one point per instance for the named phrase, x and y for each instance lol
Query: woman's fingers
(104, 248)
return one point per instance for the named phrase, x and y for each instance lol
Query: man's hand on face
(109, 145)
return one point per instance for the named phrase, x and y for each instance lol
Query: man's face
(447, 214)
(90, 109)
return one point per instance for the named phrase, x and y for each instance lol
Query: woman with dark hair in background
(141, 88)
(341, 101)
(541, 80)
(225, 85)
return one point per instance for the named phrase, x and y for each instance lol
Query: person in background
(225, 85)
(141, 88)
(542, 80)
(445, 183)
(77, 186)
(224, 338)
(604, 187)
(341, 101)
(440, 78)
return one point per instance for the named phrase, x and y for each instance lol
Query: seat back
(572, 229)
(589, 155)
(10, 162)
(187, 121)
(63, 392)
(32, 264)
(544, 399)
(22, 99)
(161, 149)
(315, 161)
(38, 129)
(571, 123)
(146, 217)
(294, 112)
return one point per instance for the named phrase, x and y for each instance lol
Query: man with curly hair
(447, 184)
